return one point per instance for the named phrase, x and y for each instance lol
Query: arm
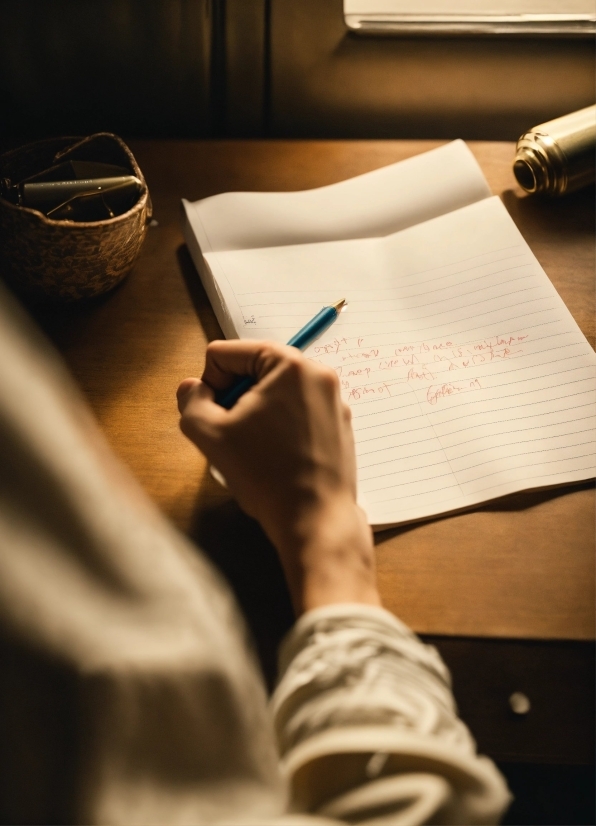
(364, 715)
(287, 452)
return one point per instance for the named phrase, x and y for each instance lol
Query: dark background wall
(135, 67)
(287, 68)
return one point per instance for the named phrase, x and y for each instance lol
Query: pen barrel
(314, 328)
(558, 156)
(46, 193)
(228, 398)
(317, 325)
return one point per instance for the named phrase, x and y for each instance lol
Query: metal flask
(559, 156)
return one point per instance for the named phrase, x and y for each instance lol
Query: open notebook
(467, 375)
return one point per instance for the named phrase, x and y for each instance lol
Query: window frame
(382, 21)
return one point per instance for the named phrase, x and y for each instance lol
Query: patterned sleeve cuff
(361, 696)
(346, 665)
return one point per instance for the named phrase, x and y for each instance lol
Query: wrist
(328, 555)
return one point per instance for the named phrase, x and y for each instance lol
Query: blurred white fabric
(128, 692)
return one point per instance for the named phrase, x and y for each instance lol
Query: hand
(286, 450)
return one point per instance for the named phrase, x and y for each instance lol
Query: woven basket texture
(49, 260)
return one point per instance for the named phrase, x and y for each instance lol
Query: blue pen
(317, 325)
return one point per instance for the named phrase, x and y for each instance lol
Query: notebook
(467, 376)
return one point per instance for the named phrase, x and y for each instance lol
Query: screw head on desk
(519, 703)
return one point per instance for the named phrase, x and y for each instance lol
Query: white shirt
(129, 694)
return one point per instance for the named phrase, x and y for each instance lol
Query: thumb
(184, 390)
(201, 419)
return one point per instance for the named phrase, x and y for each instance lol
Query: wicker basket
(45, 259)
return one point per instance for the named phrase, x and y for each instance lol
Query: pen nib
(339, 305)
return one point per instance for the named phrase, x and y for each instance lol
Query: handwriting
(330, 347)
(363, 391)
(452, 355)
(422, 366)
(422, 373)
(390, 364)
(436, 392)
(362, 354)
(497, 346)
(250, 320)
(457, 361)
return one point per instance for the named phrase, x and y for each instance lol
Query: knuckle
(293, 356)
(329, 379)
(293, 362)
(276, 351)
(294, 373)
(268, 355)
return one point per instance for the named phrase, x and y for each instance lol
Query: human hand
(286, 450)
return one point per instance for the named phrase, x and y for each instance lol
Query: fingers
(200, 417)
(225, 361)
(284, 377)
(228, 359)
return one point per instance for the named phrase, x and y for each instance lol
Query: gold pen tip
(339, 305)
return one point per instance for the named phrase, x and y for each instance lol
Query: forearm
(328, 557)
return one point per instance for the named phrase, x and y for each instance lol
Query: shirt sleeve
(367, 726)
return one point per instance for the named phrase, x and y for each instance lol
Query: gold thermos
(558, 157)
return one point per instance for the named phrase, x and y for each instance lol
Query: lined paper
(467, 376)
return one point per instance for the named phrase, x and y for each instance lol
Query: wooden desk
(521, 568)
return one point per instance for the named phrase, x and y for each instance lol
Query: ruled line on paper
(525, 430)
(312, 305)
(401, 446)
(350, 293)
(460, 332)
(485, 412)
(455, 263)
(506, 408)
(355, 293)
(436, 326)
(503, 471)
(510, 407)
(412, 279)
(416, 306)
(412, 480)
(568, 419)
(501, 489)
(458, 472)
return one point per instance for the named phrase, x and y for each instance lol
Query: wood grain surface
(520, 567)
